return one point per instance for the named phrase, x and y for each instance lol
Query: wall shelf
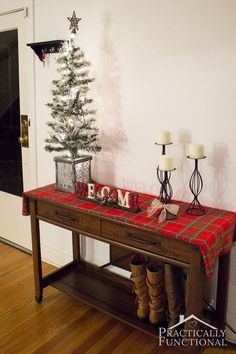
(47, 47)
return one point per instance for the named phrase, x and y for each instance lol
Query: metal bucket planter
(70, 171)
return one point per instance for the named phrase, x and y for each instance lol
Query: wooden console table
(134, 233)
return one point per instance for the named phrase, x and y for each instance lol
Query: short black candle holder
(166, 191)
(195, 184)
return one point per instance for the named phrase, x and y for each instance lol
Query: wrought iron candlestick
(195, 184)
(163, 147)
(160, 174)
(166, 191)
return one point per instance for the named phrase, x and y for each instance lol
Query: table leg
(194, 298)
(76, 246)
(36, 252)
(194, 288)
(222, 290)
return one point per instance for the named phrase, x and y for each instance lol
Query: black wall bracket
(42, 48)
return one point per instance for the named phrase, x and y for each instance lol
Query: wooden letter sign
(110, 196)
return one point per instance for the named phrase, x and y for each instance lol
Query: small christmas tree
(73, 125)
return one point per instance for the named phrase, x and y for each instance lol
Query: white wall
(159, 64)
(163, 64)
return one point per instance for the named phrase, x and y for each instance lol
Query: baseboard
(15, 245)
(54, 256)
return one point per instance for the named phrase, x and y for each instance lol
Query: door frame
(26, 34)
(27, 12)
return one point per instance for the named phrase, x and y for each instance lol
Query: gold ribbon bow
(156, 204)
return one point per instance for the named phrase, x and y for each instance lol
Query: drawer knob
(147, 242)
(66, 218)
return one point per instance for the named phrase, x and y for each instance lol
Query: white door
(17, 163)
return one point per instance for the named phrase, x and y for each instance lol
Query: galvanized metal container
(70, 171)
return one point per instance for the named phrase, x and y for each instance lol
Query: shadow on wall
(109, 105)
(183, 168)
(108, 101)
(218, 162)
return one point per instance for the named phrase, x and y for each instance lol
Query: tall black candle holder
(166, 191)
(160, 174)
(195, 184)
(163, 147)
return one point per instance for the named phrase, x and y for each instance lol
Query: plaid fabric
(213, 232)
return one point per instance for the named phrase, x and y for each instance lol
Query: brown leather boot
(138, 276)
(175, 293)
(156, 291)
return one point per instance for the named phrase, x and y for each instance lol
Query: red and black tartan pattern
(213, 232)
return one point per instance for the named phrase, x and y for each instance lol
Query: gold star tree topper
(74, 22)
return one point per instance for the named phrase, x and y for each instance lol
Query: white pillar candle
(163, 137)
(196, 151)
(166, 163)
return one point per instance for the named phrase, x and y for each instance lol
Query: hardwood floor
(60, 324)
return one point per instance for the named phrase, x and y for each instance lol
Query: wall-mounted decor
(48, 47)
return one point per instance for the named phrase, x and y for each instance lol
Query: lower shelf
(102, 291)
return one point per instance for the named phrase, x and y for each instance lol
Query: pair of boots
(149, 287)
(152, 285)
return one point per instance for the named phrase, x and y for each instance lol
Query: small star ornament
(74, 22)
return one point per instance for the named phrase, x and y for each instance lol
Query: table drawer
(69, 217)
(148, 241)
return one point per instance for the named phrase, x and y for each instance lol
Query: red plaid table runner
(212, 232)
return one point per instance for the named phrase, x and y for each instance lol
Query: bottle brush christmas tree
(73, 127)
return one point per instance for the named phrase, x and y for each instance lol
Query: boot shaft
(138, 265)
(138, 277)
(155, 274)
(175, 293)
(149, 287)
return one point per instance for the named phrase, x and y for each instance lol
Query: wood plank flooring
(60, 324)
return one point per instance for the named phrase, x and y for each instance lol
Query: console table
(187, 242)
